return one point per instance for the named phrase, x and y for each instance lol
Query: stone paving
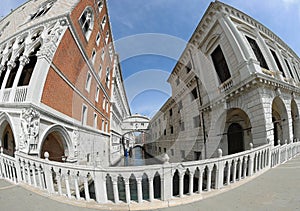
(277, 189)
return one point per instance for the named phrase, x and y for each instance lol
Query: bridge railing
(142, 183)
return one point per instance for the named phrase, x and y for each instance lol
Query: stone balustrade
(226, 85)
(142, 183)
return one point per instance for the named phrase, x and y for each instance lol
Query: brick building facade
(57, 60)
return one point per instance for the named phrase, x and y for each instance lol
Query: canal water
(137, 157)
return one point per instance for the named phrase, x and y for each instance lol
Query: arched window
(28, 68)
(86, 22)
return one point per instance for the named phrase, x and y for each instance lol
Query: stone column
(10, 66)
(23, 61)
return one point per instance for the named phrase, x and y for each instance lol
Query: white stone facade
(119, 112)
(257, 101)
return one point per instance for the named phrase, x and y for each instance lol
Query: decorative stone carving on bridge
(30, 125)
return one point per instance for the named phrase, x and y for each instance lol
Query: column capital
(1, 68)
(24, 60)
(11, 64)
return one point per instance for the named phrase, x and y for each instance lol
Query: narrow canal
(138, 157)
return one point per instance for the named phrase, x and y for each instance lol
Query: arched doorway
(55, 145)
(235, 138)
(8, 141)
(280, 121)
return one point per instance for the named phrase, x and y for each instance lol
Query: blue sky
(173, 20)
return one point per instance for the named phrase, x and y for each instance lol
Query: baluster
(234, 171)
(12, 172)
(58, 180)
(76, 186)
(68, 185)
(240, 170)
(28, 173)
(208, 179)
(245, 167)
(116, 191)
(40, 177)
(1, 170)
(33, 175)
(5, 169)
(228, 173)
(191, 183)
(139, 190)
(151, 190)
(86, 189)
(258, 163)
(127, 190)
(23, 171)
(181, 176)
(200, 181)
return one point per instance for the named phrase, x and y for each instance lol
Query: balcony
(17, 95)
(226, 85)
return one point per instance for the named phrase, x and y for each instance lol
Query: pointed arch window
(28, 68)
